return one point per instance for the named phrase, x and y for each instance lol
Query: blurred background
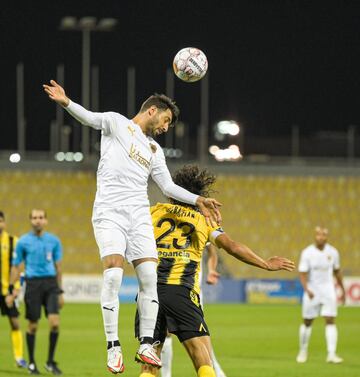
(276, 118)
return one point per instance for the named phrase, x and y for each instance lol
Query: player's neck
(140, 121)
(38, 233)
(320, 247)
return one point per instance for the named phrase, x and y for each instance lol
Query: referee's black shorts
(5, 310)
(180, 313)
(41, 292)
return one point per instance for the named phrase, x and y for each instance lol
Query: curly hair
(197, 181)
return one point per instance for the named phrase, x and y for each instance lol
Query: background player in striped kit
(7, 247)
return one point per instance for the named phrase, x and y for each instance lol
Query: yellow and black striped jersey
(7, 247)
(181, 235)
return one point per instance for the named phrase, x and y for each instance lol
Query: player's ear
(152, 110)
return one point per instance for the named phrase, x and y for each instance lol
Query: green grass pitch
(249, 341)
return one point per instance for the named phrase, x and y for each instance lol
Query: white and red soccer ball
(190, 64)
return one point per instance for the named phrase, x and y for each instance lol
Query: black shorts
(180, 313)
(41, 292)
(5, 310)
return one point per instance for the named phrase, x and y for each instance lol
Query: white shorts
(126, 230)
(325, 306)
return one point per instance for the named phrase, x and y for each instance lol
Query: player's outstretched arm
(246, 255)
(88, 118)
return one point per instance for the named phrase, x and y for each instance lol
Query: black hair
(162, 102)
(197, 181)
(2, 215)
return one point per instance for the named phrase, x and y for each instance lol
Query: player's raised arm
(88, 118)
(246, 255)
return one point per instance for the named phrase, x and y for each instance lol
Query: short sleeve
(18, 254)
(57, 252)
(336, 260)
(304, 264)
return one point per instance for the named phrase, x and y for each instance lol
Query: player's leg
(113, 266)
(17, 340)
(310, 310)
(148, 305)
(16, 335)
(166, 357)
(160, 333)
(199, 350)
(143, 254)
(329, 312)
(110, 230)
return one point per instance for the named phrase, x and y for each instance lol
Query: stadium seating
(274, 215)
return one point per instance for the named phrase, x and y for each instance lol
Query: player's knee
(206, 371)
(147, 276)
(14, 323)
(112, 279)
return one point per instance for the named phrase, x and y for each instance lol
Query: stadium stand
(275, 215)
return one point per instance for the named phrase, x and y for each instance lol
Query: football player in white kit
(318, 265)
(121, 214)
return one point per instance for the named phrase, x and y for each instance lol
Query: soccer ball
(190, 64)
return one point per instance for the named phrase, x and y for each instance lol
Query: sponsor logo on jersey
(172, 254)
(135, 155)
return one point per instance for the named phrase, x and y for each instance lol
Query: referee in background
(7, 246)
(41, 252)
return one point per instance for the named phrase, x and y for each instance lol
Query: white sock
(147, 302)
(331, 335)
(110, 301)
(304, 337)
(166, 357)
(216, 365)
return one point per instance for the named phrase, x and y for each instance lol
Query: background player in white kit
(121, 215)
(319, 263)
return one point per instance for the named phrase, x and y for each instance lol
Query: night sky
(272, 63)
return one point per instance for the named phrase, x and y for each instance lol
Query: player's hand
(310, 294)
(212, 277)
(209, 207)
(9, 300)
(61, 300)
(280, 263)
(56, 93)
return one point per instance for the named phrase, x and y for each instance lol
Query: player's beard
(153, 126)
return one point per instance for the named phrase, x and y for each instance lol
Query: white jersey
(127, 159)
(320, 266)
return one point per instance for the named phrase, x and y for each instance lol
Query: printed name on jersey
(136, 156)
(181, 212)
